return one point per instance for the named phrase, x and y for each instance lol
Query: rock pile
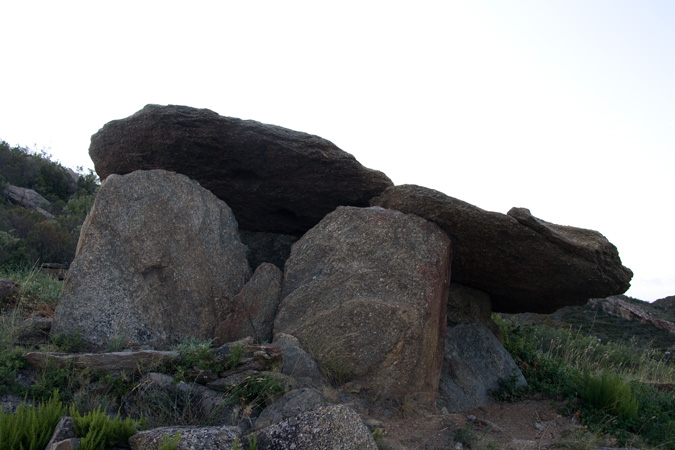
(345, 272)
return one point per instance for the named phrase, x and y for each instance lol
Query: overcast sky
(564, 107)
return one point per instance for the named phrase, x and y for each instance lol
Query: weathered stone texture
(274, 179)
(473, 364)
(252, 310)
(523, 263)
(368, 287)
(159, 258)
(327, 428)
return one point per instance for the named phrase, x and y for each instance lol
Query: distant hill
(593, 320)
(667, 304)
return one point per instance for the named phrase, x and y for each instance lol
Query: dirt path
(529, 424)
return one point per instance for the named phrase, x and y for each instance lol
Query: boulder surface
(469, 305)
(327, 428)
(274, 179)
(253, 309)
(365, 293)
(28, 198)
(191, 438)
(159, 258)
(473, 364)
(523, 263)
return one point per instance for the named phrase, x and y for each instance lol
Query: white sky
(564, 107)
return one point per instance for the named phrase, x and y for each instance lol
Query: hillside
(609, 328)
(42, 207)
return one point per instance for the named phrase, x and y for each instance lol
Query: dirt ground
(525, 425)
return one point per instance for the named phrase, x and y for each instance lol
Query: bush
(176, 404)
(29, 238)
(258, 390)
(31, 427)
(609, 393)
(198, 353)
(592, 376)
(656, 415)
(98, 431)
(11, 361)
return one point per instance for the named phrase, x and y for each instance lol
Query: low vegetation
(30, 427)
(27, 237)
(615, 388)
(106, 408)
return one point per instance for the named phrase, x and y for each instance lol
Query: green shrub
(252, 443)
(11, 361)
(196, 353)
(590, 374)
(172, 405)
(30, 427)
(258, 390)
(170, 442)
(656, 415)
(69, 343)
(609, 393)
(37, 292)
(98, 431)
(25, 236)
(543, 373)
(508, 391)
(335, 364)
(235, 356)
(52, 377)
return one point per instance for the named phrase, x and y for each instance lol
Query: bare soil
(525, 425)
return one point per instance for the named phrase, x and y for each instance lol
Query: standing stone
(252, 310)
(365, 293)
(159, 258)
(473, 364)
(275, 179)
(469, 305)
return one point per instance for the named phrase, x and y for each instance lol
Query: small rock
(63, 437)
(327, 428)
(113, 362)
(192, 438)
(291, 404)
(297, 362)
(8, 288)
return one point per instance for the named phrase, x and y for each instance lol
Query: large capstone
(523, 263)
(274, 179)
